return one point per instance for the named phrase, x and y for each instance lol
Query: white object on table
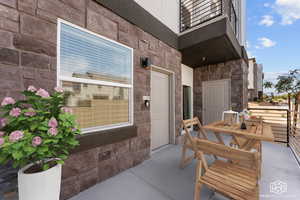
(231, 112)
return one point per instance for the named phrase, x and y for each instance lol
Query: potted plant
(36, 134)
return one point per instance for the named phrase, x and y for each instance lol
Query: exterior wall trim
(171, 74)
(102, 138)
(80, 80)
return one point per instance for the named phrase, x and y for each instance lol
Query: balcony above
(210, 32)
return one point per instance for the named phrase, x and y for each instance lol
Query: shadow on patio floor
(160, 178)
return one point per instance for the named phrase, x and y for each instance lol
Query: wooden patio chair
(189, 139)
(241, 143)
(227, 178)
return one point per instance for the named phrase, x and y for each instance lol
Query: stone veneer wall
(235, 70)
(28, 57)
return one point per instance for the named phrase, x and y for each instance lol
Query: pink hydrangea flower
(67, 110)
(16, 136)
(15, 112)
(1, 141)
(36, 141)
(1, 134)
(43, 93)
(52, 122)
(53, 131)
(8, 101)
(59, 89)
(30, 113)
(3, 122)
(31, 88)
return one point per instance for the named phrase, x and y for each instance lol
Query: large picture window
(97, 75)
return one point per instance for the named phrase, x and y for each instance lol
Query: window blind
(89, 56)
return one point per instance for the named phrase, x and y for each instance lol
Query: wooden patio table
(254, 134)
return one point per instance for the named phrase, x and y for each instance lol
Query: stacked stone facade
(235, 70)
(28, 41)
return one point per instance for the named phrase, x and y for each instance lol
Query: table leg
(236, 141)
(249, 144)
(219, 137)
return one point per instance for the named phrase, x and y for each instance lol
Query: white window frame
(61, 78)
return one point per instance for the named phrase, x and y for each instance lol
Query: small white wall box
(230, 117)
(146, 100)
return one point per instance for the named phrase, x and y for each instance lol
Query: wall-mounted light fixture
(145, 62)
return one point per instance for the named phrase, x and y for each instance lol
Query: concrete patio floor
(160, 178)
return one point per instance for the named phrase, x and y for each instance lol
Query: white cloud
(272, 76)
(266, 42)
(267, 5)
(248, 45)
(289, 10)
(267, 20)
(257, 47)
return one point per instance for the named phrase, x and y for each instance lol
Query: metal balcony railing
(195, 12)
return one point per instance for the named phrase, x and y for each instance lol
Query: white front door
(216, 99)
(160, 105)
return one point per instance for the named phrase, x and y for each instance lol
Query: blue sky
(273, 35)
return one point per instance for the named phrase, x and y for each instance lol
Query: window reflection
(97, 105)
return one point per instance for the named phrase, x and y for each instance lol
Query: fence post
(288, 128)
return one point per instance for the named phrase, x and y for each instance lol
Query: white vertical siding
(260, 77)
(251, 75)
(166, 11)
(243, 25)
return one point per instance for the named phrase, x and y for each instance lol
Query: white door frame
(187, 75)
(215, 81)
(171, 75)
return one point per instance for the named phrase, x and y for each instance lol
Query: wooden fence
(295, 131)
(278, 118)
(285, 124)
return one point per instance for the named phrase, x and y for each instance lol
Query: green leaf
(29, 149)
(43, 149)
(15, 164)
(33, 127)
(50, 141)
(73, 142)
(17, 155)
(65, 151)
(21, 118)
(17, 145)
(3, 159)
(45, 167)
(63, 157)
(43, 128)
(60, 162)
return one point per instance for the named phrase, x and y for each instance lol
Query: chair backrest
(186, 124)
(220, 150)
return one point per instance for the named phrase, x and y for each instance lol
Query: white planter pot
(40, 186)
